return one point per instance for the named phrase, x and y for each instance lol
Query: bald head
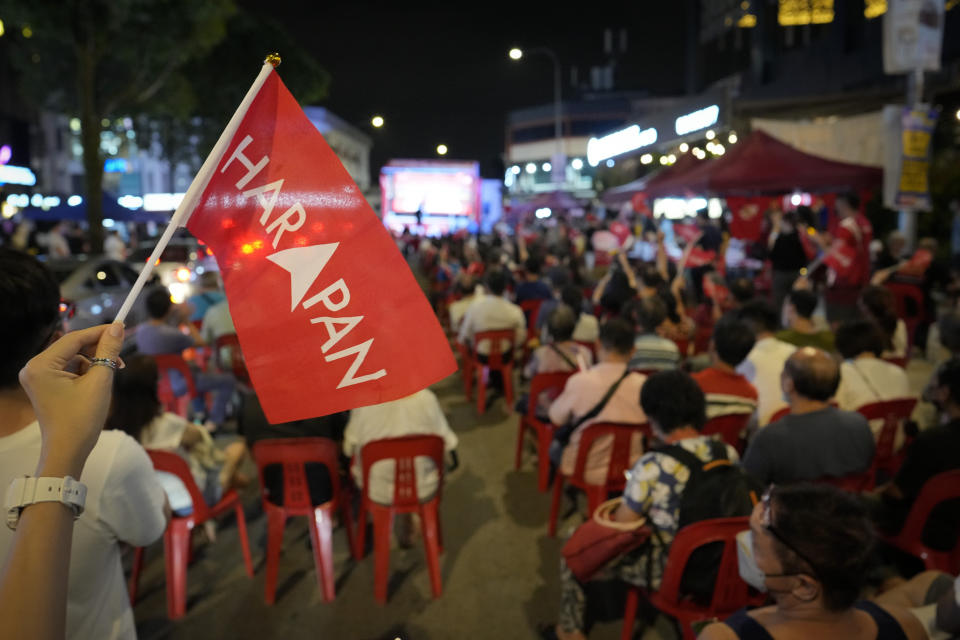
(814, 373)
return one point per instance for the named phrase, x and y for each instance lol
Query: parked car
(183, 260)
(93, 290)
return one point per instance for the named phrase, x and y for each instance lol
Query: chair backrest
(545, 383)
(780, 413)
(172, 463)
(495, 338)
(619, 453)
(893, 413)
(166, 362)
(683, 346)
(730, 592)
(403, 451)
(728, 427)
(531, 309)
(293, 454)
(231, 343)
(940, 488)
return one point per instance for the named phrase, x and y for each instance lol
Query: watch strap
(27, 490)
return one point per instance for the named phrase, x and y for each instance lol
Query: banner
(327, 312)
(913, 192)
(912, 35)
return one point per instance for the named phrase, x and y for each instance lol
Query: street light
(377, 121)
(442, 149)
(559, 158)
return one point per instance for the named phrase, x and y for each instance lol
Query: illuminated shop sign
(697, 120)
(618, 142)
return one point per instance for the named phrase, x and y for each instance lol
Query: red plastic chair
(177, 538)
(683, 346)
(495, 360)
(940, 488)
(541, 383)
(728, 427)
(404, 452)
(730, 592)
(178, 405)
(293, 454)
(785, 411)
(908, 299)
(894, 414)
(619, 464)
(238, 366)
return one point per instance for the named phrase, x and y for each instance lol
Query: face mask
(747, 564)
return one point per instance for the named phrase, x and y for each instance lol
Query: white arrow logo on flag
(304, 265)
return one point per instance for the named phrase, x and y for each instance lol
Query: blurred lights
(531, 168)
(36, 200)
(796, 199)
(101, 275)
(672, 158)
(8, 210)
(442, 149)
(663, 160)
(646, 158)
(874, 8)
(610, 163)
(711, 134)
(516, 54)
(719, 149)
(577, 164)
(108, 223)
(547, 167)
(1, 28)
(5, 154)
(544, 212)
(377, 121)
(618, 142)
(130, 202)
(74, 200)
(27, 32)
(747, 21)
(732, 138)
(178, 292)
(183, 274)
(105, 123)
(515, 170)
(697, 120)
(75, 125)
(958, 114)
(684, 147)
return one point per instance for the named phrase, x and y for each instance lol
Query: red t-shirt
(727, 392)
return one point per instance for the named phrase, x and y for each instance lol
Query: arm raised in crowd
(71, 409)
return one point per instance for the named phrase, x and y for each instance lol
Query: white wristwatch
(26, 490)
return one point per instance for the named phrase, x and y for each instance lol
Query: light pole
(559, 163)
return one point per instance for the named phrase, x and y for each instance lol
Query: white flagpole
(198, 186)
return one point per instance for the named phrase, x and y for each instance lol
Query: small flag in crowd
(327, 312)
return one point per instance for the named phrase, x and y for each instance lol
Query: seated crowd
(792, 393)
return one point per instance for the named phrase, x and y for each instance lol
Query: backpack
(717, 489)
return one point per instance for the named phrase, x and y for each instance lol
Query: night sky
(443, 75)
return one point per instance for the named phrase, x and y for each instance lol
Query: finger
(111, 341)
(71, 344)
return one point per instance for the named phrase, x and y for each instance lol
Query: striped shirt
(653, 353)
(727, 392)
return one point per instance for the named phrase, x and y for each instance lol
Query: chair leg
(482, 391)
(244, 539)
(555, 504)
(176, 542)
(360, 546)
(544, 436)
(520, 429)
(321, 539)
(382, 526)
(275, 524)
(630, 613)
(135, 571)
(431, 543)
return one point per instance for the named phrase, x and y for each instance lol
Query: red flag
(328, 314)
(687, 232)
(700, 257)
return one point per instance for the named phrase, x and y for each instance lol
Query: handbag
(602, 539)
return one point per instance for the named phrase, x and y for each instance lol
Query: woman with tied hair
(810, 547)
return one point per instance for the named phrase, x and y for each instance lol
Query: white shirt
(587, 329)
(114, 248)
(489, 313)
(867, 380)
(417, 414)
(762, 368)
(124, 504)
(459, 308)
(57, 245)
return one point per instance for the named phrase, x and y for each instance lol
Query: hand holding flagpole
(198, 186)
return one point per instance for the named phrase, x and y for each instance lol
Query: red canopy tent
(762, 165)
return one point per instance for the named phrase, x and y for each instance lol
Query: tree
(102, 59)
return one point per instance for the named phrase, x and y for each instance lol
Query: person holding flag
(848, 258)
